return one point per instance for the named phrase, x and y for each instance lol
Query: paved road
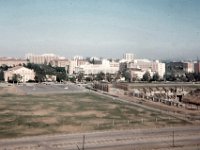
(107, 140)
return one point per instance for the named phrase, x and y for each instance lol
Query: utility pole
(173, 139)
(83, 146)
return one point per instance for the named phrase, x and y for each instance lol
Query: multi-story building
(12, 61)
(25, 73)
(188, 67)
(74, 64)
(60, 63)
(128, 57)
(147, 65)
(175, 68)
(179, 68)
(106, 66)
(197, 67)
(41, 59)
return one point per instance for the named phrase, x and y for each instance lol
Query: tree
(190, 77)
(60, 73)
(80, 77)
(43, 70)
(146, 76)
(170, 77)
(16, 78)
(118, 75)
(197, 76)
(127, 76)
(72, 79)
(100, 76)
(61, 77)
(108, 77)
(1, 75)
(156, 77)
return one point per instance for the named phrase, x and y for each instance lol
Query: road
(158, 138)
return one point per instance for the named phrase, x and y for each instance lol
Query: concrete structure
(105, 67)
(25, 73)
(147, 65)
(12, 61)
(188, 67)
(136, 73)
(128, 57)
(74, 66)
(197, 67)
(175, 68)
(178, 68)
(41, 59)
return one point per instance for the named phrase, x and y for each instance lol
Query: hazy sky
(164, 29)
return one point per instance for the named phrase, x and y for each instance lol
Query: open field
(69, 113)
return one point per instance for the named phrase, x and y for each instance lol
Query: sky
(154, 29)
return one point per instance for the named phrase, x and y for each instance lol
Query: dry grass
(68, 113)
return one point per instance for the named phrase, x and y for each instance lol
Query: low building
(25, 74)
(147, 65)
(106, 66)
(60, 63)
(136, 73)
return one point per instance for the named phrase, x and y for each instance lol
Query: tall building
(188, 67)
(128, 57)
(179, 68)
(74, 64)
(106, 66)
(147, 65)
(197, 67)
(41, 59)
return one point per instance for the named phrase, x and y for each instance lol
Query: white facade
(147, 65)
(105, 67)
(128, 57)
(188, 67)
(25, 73)
(41, 59)
(74, 65)
(138, 73)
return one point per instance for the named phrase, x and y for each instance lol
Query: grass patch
(68, 113)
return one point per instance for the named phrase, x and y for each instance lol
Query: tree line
(41, 71)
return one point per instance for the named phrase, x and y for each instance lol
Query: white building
(137, 73)
(25, 73)
(74, 65)
(128, 57)
(188, 67)
(41, 59)
(105, 67)
(147, 65)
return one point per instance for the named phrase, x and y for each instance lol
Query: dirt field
(69, 113)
